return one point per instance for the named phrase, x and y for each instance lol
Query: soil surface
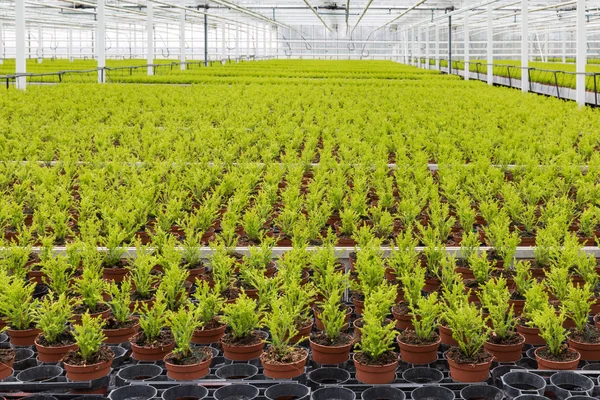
(103, 355)
(410, 337)
(212, 324)
(516, 296)
(255, 337)
(196, 356)
(511, 338)
(121, 264)
(456, 355)
(82, 308)
(6, 356)
(164, 339)
(590, 334)
(64, 339)
(386, 358)
(135, 296)
(401, 308)
(112, 323)
(295, 355)
(321, 338)
(566, 354)
(196, 265)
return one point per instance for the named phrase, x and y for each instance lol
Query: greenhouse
(300, 199)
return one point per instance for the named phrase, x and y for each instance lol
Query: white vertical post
(117, 38)
(547, 45)
(150, 39)
(21, 67)
(237, 42)
(405, 43)
(247, 42)
(490, 45)
(409, 33)
(1, 44)
(427, 38)
(436, 51)
(467, 57)
(255, 42)
(524, 45)
(264, 43)
(100, 37)
(70, 45)
(270, 50)
(40, 49)
(581, 53)
(418, 32)
(223, 51)
(564, 46)
(182, 36)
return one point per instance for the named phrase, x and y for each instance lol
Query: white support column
(255, 42)
(490, 45)
(581, 53)
(409, 34)
(418, 32)
(70, 44)
(547, 45)
(237, 42)
(21, 66)
(182, 36)
(264, 43)
(564, 46)
(467, 57)
(40, 49)
(247, 42)
(405, 34)
(270, 49)
(1, 44)
(100, 38)
(436, 51)
(117, 42)
(150, 37)
(223, 50)
(427, 38)
(524, 45)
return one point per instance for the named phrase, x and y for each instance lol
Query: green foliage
(242, 316)
(120, 298)
(17, 304)
(468, 328)
(558, 282)
(494, 298)
(578, 305)
(425, 315)
(173, 287)
(90, 287)
(153, 318)
(480, 266)
(89, 336)
(523, 280)
(281, 323)
(376, 338)
(140, 272)
(58, 274)
(209, 300)
(183, 323)
(51, 316)
(536, 298)
(551, 328)
(413, 283)
(333, 316)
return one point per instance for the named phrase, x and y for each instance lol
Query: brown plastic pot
(432, 285)
(114, 274)
(359, 305)
(506, 353)
(208, 336)
(418, 354)
(187, 372)
(303, 332)
(6, 369)
(122, 335)
(518, 306)
(195, 273)
(531, 334)
(446, 336)
(320, 325)
(23, 337)
(149, 353)
(588, 351)
(469, 372)
(545, 364)
(88, 372)
(403, 322)
(375, 374)
(284, 371)
(52, 354)
(104, 315)
(243, 353)
(330, 355)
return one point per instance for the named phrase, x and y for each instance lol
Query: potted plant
(419, 345)
(7, 360)
(121, 325)
(153, 342)
(282, 360)
(16, 302)
(90, 287)
(375, 361)
(299, 298)
(523, 281)
(92, 360)
(332, 345)
(57, 273)
(186, 362)
(468, 361)
(536, 298)
(584, 338)
(210, 329)
(503, 342)
(555, 355)
(244, 341)
(142, 278)
(52, 318)
(114, 266)
(413, 283)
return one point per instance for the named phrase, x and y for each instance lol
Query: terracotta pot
(518, 306)
(359, 305)
(446, 336)
(320, 325)
(252, 293)
(36, 276)
(465, 272)
(187, 372)
(303, 332)
(555, 365)
(432, 285)
(469, 372)
(284, 371)
(118, 336)
(208, 336)
(88, 372)
(375, 374)
(506, 353)
(532, 335)
(418, 354)
(390, 275)
(595, 306)
(104, 315)
(114, 274)
(403, 322)
(243, 353)
(597, 320)
(195, 273)
(149, 303)
(330, 355)
(23, 337)
(6, 369)
(588, 351)
(53, 354)
(141, 353)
